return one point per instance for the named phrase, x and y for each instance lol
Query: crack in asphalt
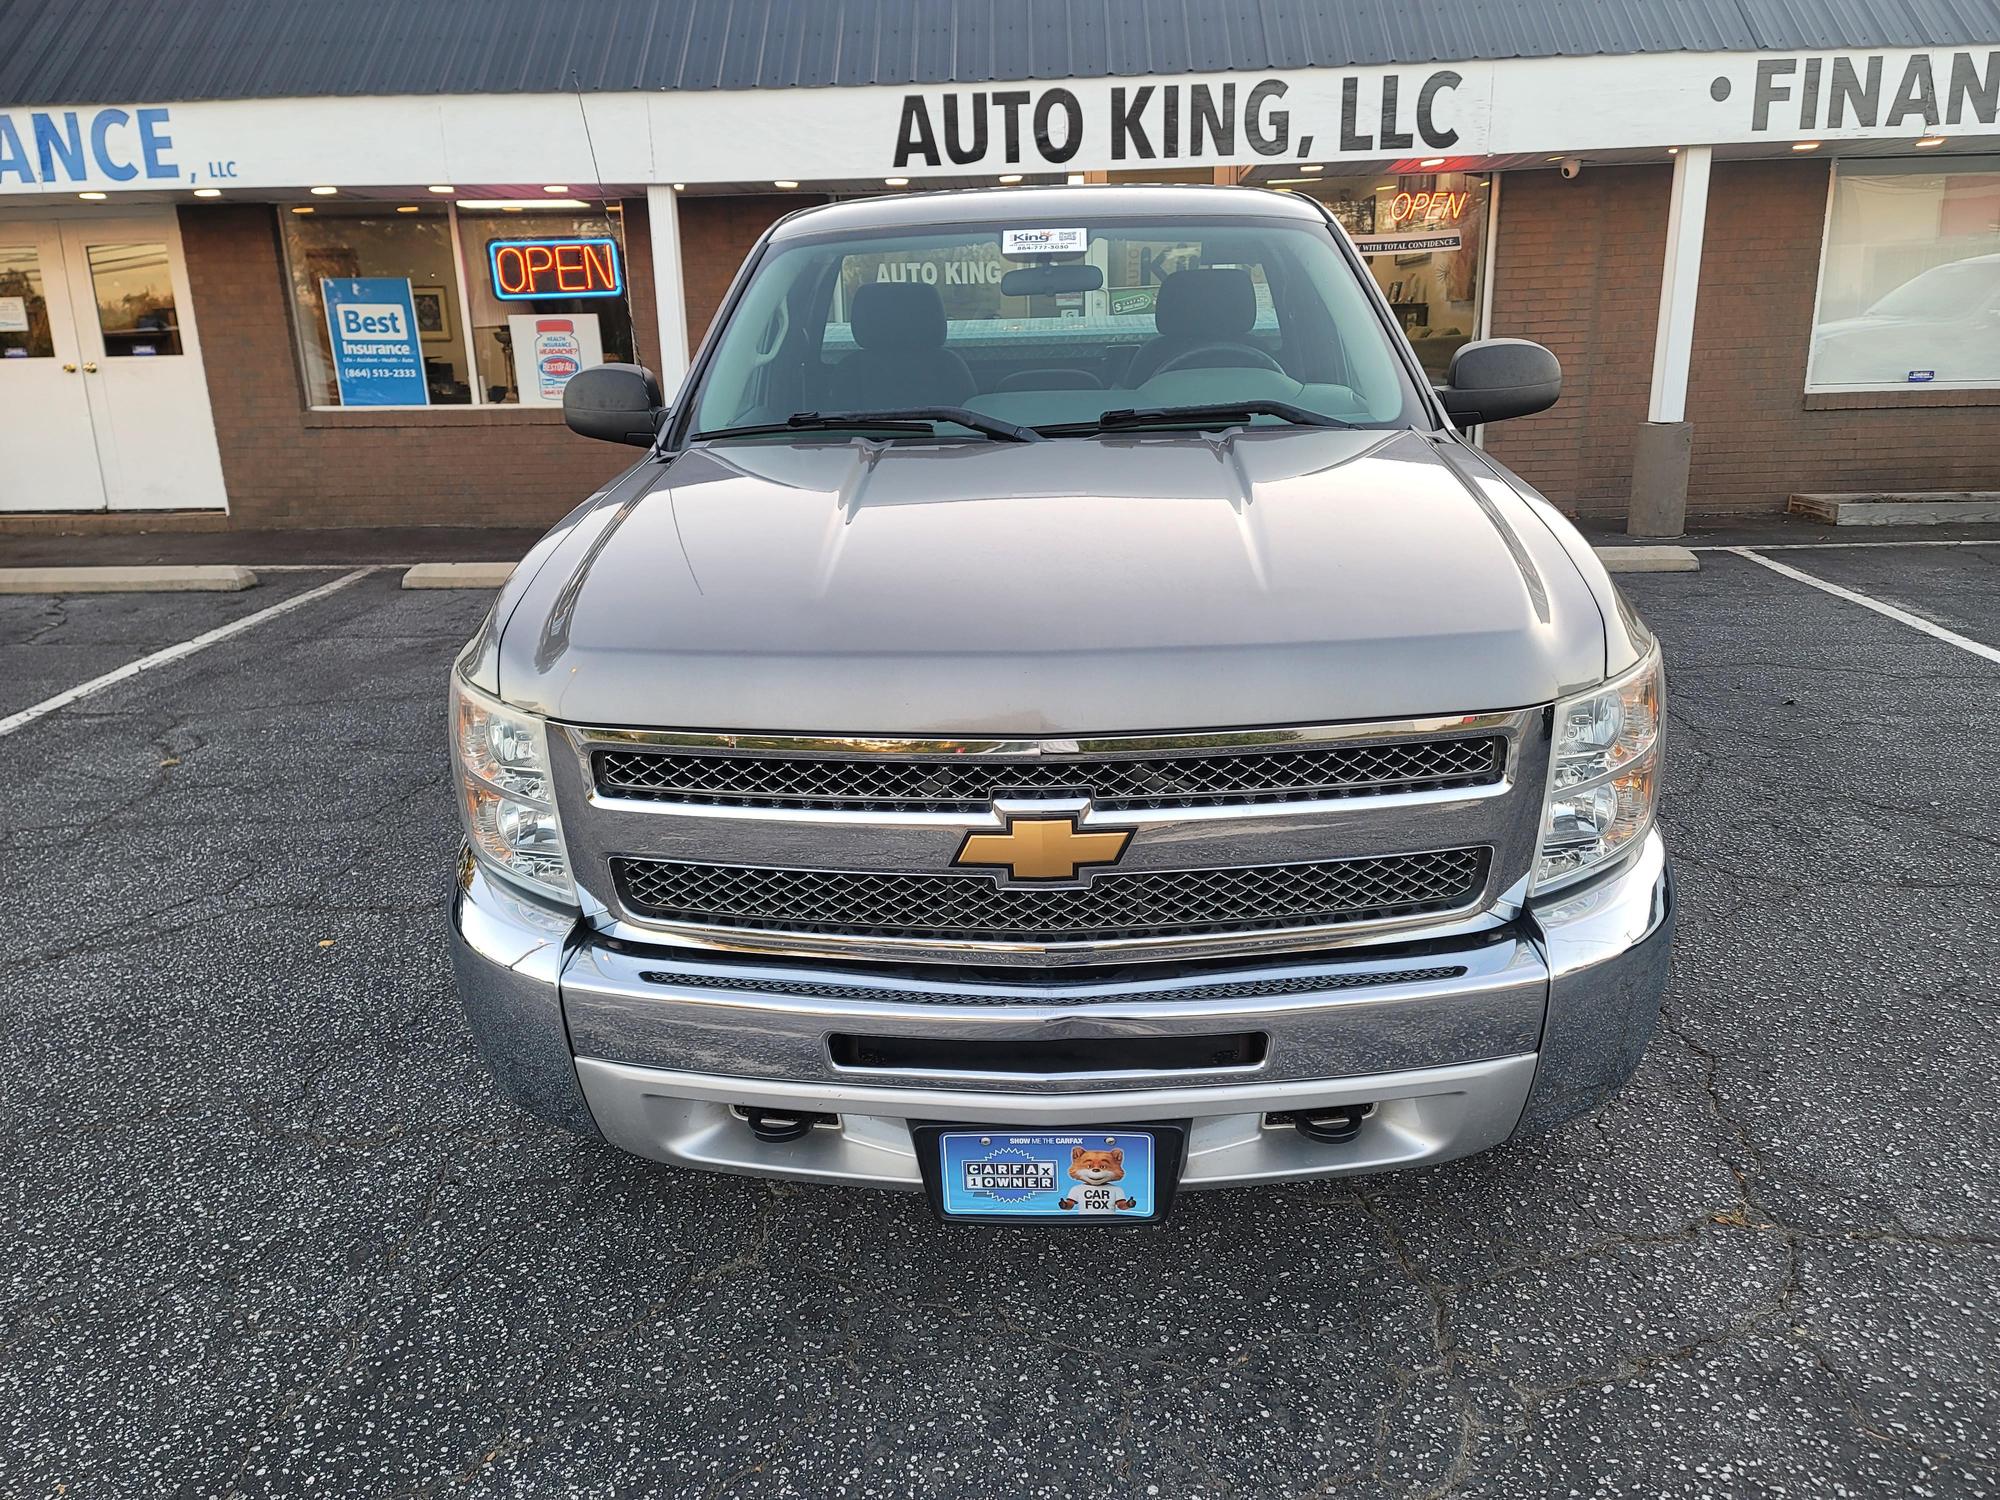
(58, 619)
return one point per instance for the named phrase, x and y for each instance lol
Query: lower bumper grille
(1151, 903)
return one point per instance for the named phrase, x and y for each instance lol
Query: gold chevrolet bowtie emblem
(1043, 848)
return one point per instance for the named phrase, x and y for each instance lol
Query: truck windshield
(1118, 323)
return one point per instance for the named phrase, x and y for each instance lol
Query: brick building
(302, 268)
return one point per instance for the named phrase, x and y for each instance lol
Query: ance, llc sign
(96, 148)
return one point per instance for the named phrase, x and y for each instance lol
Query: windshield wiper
(1219, 414)
(902, 419)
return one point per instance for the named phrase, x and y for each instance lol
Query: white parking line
(174, 653)
(1827, 546)
(1888, 611)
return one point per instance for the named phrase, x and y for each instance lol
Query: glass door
(141, 363)
(45, 424)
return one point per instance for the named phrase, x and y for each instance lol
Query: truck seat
(902, 360)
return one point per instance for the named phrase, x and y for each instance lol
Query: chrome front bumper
(1459, 1044)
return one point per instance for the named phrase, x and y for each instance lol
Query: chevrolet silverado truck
(1061, 713)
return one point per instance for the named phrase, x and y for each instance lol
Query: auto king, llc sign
(1461, 109)
(1458, 109)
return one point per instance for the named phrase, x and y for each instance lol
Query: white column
(1673, 345)
(663, 217)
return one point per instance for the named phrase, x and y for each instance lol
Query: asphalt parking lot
(267, 1229)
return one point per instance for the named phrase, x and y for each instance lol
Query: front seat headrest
(1215, 305)
(898, 315)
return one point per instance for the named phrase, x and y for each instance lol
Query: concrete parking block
(458, 575)
(207, 578)
(1648, 560)
(1898, 508)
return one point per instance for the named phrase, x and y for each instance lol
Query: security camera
(1572, 167)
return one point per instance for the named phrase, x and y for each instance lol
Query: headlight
(505, 798)
(1604, 774)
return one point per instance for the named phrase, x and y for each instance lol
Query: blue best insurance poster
(377, 358)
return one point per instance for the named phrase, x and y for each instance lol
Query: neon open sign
(526, 269)
(1428, 208)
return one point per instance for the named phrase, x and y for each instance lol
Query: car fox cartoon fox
(1094, 1171)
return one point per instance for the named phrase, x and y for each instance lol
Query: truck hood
(1117, 584)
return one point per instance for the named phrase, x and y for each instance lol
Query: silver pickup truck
(1060, 714)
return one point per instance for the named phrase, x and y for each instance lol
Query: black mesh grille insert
(895, 783)
(1136, 904)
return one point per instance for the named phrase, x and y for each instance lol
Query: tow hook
(775, 1126)
(1332, 1125)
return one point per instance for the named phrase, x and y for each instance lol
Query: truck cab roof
(1044, 205)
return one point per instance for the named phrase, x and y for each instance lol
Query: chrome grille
(897, 783)
(1114, 905)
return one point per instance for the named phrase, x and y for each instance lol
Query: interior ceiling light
(208, 192)
(1010, 177)
(1076, 179)
(302, 208)
(324, 192)
(895, 182)
(1313, 168)
(406, 208)
(1805, 145)
(442, 187)
(92, 197)
(680, 187)
(784, 182)
(520, 203)
(556, 187)
(1930, 140)
(1431, 161)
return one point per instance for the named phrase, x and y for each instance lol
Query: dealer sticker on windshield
(1043, 241)
(1080, 1175)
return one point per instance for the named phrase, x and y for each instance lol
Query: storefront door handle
(90, 367)
(69, 369)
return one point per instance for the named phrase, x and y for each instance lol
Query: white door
(141, 363)
(48, 448)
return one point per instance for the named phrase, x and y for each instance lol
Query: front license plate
(1104, 1176)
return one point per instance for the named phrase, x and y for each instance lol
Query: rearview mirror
(1494, 379)
(617, 403)
(1048, 281)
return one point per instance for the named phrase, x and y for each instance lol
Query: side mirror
(617, 403)
(1499, 378)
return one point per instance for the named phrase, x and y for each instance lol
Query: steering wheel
(1242, 356)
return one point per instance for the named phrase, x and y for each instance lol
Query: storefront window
(371, 257)
(381, 320)
(1909, 291)
(1423, 237)
(548, 298)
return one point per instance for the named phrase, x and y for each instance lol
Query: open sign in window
(528, 270)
